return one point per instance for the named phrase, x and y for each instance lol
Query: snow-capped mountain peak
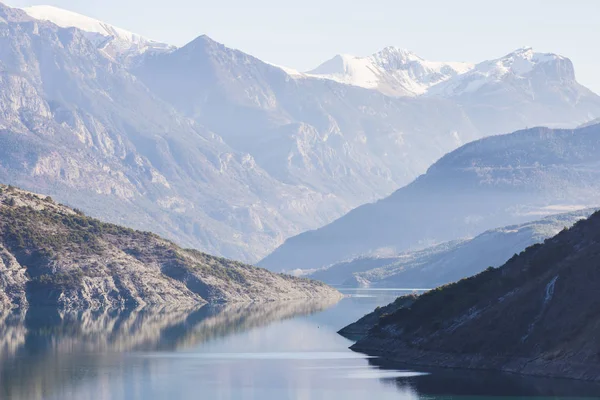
(519, 63)
(393, 71)
(115, 42)
(522, 65)
(393, 58)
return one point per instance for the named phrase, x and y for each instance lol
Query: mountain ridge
(392, 71)
(447, 262)
(116, 43)
(487, 183)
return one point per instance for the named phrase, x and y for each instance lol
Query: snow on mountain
(115, 42)
(392, 71)
(516, 65)
(510, 92)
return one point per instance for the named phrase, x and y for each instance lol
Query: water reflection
(268, 351)
(451, 383)
(45, 353)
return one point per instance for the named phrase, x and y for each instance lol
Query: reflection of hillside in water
(467, 383)
(42, 350)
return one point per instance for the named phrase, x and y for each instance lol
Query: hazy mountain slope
(448, 262)
(392, 71)
(353, 143)
(342, 273)
(537, 314)
(350, 142)
(488, 183)
(79, 127)
(117, 43)
(54, 256)
(523, 88)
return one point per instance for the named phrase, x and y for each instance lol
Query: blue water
(272, 351)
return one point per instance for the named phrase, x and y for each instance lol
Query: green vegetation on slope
(62, 257)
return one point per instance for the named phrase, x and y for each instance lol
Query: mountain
(537, 314)
(447, 262)
(114, 42)
(353, 144)
(79, 127)
(508, 93)
(500, 180)
(523, 88)
(392, 71)
(204, 145)
(54, 256)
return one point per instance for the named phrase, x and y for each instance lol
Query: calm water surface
(273, 351)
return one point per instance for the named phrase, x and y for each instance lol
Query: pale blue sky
(301, 34)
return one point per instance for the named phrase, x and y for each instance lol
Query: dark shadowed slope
(537, 314)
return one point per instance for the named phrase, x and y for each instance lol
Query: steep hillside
(492, 182)
(537, 314)
(447, 262)
(51, 255)
(79, 127)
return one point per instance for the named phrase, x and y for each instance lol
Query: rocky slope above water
(537, 314)
(51, 255)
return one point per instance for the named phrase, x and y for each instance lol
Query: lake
(267, 351)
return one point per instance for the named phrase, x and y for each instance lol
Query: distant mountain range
(506, 179)
(447, 262)
(392, 71)
(218, 150)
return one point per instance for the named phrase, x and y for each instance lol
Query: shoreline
(537, 366)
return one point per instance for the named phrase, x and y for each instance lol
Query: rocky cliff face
(51, 255)
(537, 314)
